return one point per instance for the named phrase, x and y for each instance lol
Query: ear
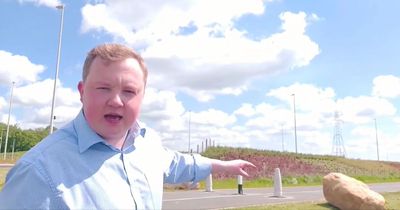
(80, 88)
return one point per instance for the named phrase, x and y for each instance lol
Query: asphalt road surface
(219, 199)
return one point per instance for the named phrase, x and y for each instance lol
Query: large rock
(348, 193)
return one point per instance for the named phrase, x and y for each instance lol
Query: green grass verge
(291, 182)
(10, 157)
(392, 199)
(392, 203)
(3, 173)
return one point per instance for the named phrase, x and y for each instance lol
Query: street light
(60, 7)
(376, 136)
(294, 114)
(283, 141)
(13, 147)
(1, 138)
(8, 121)
(189, 130)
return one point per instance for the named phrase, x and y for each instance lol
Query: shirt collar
(134, 132)
(87, 137)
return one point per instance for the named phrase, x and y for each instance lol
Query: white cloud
(17, 68)
(316, 105)
(47, 3)
(194, 46)
(269, 116)
(163, 111)
(363, 131)
(39, 117)
(364, 142)
(388, 145)
(307, 97)
(213, 117)
(226, 62)
(97, 17)
(4, 119)
(263, 123)
(153, 20)
(41, 94)
(3, 110)
(229, 137)
(28, 95)
(246, 110)
(314, 142)
(387, 86)
(363, 109)
(2, 103)
(33, 104)
(396, 120)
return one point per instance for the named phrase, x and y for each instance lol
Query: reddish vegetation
(288, 165)
(394, 165)
(296, 165)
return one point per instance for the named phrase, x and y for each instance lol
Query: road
(218, 199)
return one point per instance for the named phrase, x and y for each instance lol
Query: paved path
(218, 199)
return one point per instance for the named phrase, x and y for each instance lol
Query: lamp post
(295, 126)
(1, 138)
(283, 141)
(8, 121)
(60, 7)
(13, 146)
(189, 130)
(376, 136)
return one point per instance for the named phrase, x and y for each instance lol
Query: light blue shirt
(74, 168)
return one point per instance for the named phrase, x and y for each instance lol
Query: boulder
(348, 193)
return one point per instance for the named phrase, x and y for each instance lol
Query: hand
(235, 167)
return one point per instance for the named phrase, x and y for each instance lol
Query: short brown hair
(113, 52)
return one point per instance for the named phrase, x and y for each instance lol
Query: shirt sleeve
(187, 167)
(26, 187)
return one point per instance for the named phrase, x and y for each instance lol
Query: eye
(103, 88)
(133, 92)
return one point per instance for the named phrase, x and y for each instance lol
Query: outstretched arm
(235, 167)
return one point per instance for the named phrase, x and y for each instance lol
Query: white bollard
(209, 183)
(277, 183)
(240, 185)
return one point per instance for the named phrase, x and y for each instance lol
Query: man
(103, 159)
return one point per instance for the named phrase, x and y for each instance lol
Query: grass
(10, 158)
(392, 199)
(300, 169)
(289, 181)
(292, 206)
(392, 203)
(3, 173)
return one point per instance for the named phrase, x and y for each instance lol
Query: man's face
(111, 96)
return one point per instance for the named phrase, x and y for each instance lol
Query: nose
(115, 100)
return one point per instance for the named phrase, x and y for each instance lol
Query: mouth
(113, 117)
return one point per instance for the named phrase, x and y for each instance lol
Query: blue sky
(230, 67)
